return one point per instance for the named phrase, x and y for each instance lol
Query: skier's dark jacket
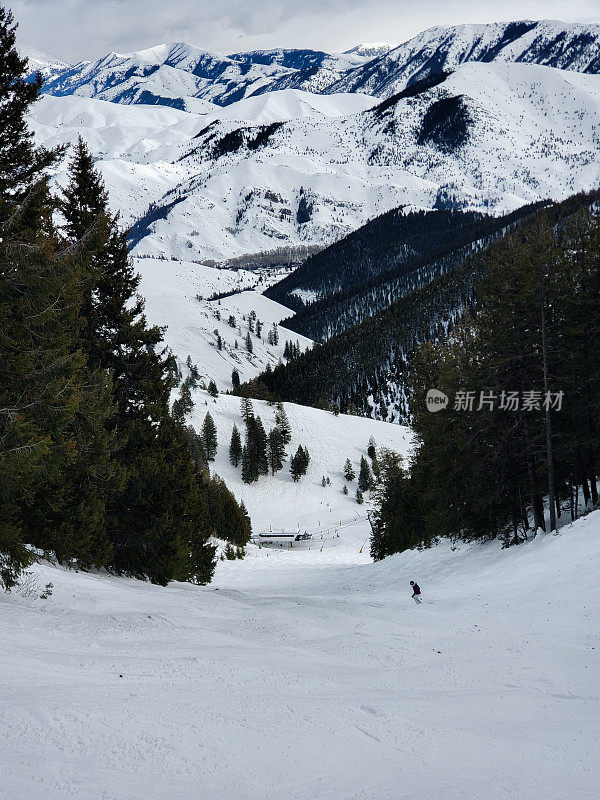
(416, 589)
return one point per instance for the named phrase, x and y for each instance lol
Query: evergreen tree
(249, 472)
(212, 389)
(396, 523)
(484, 472)
(21, 162)
(254, 455)
(248, 342)
(299, 463)
(227, 519)
(296, 466)
(349, 473)
(39, 368)
(183, 405)
(277, 454)
(376, 467)
(261, 446)
(196, 449)
(246, 409)
(56, 448)
(116, 339)
(235, 379)
(209, 437)
(235, 447)
(365, 477)
(115, 333)
(230, 552)
(93, 467)
(359, 496)
(56, 457)
(283, 424)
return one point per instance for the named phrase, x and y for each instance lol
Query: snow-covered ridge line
(568, 46)
(182, 75)
(292, 169)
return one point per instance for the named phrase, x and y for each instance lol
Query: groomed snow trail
(302, 680)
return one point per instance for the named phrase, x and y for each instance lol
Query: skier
(416, 593)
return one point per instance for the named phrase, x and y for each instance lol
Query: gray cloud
(74, 29)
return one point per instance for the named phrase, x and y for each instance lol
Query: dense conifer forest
(382, 261)
(365, 368)
(522, 378)
(95, 469)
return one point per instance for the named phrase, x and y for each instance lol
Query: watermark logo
(496, 401)
(436, 400)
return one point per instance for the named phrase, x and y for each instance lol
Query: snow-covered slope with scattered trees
(218, 335)
(277, 501)
(548, 43)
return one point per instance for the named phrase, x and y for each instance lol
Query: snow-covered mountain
(309, 70)
(274, 176)
(141, 149)
(42, 62)
(182, 76)
(216, 186)
(548, 43)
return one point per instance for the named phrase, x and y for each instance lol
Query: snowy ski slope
(308, 679)
(171, 290)
(278, 502)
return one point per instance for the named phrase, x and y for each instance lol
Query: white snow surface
(547, 42)
(312, 676)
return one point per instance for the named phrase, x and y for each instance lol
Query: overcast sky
(77, 29)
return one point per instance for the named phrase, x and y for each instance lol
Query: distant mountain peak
(38, 60)
(370, 49)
